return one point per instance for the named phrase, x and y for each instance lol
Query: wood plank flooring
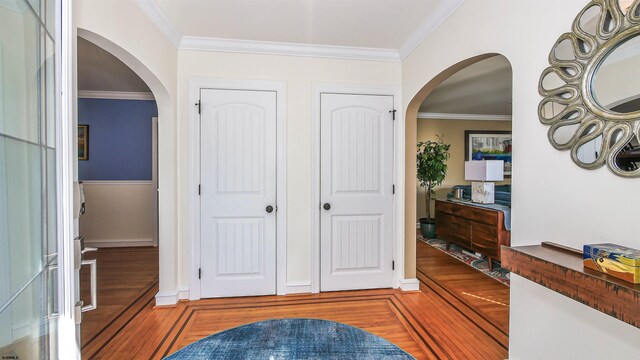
(480, 293)
(432, 324)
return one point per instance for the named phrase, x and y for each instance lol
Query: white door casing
(238, 183)
(356, 186)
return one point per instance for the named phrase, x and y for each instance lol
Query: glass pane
(50, 92)
(19, 71)
(21, 188)
(52, 240)
(36, 4)
(25, 325)
(50, 16)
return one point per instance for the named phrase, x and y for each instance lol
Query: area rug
(499, 273)
(292, 339)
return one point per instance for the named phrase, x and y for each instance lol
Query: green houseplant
(431, 162)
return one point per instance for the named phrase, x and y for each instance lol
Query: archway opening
(467, 110)
(164, 186)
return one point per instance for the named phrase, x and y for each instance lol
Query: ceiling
(98, 70)
(357, 23)
(483, 88)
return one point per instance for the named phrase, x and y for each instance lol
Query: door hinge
(199, 105)
(393, 265)
(393, 189)
(199, 189)
(199, 273)
(393, 113)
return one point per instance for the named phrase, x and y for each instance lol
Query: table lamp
(482, 173)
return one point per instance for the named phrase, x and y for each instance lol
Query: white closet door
(238, 185)
(356, 221)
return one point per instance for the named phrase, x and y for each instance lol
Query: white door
(238, 193)
(356, 191)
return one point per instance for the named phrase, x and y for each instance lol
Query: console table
(476, 228)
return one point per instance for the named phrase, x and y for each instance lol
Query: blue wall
(119, 139)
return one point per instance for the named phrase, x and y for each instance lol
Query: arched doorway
(166, 168)
(448, 110)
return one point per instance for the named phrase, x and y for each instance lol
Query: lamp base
(483, 192)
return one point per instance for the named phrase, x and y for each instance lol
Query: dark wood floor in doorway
(435, 323)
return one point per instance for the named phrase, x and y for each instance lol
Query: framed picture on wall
(489, 145)
(83, 142)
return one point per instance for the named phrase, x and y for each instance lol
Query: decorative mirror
(591, 89)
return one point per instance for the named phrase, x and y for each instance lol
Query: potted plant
(431, 161)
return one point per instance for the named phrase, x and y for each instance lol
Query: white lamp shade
(484, 170)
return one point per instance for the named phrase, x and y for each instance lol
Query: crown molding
(291, 49)
(444, 9)
(115, 95)
(158, 17)
(448, 116)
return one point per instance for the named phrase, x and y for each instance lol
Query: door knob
(327, 206)
(269, 209)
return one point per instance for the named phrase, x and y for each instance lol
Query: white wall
(553, 199)
(120, 27)
(300, 74)
(118, 213)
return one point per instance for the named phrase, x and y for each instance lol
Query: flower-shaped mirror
(591, 89)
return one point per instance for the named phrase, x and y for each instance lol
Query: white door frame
(279, 87)
(398, 173)
(154, 177)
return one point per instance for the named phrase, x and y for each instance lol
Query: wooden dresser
(476, 228)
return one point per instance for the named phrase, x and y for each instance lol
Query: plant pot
(428, 228)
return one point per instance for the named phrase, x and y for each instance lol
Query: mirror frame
(575, 96)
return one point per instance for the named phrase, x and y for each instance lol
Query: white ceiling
(483, 88)
(98, 70)
(360, 23)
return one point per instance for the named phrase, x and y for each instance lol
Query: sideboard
(473, 227)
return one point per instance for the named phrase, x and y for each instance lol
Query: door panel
(356, 166)
(238, 177)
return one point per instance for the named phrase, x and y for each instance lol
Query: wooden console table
(561, 269)
(476, 228)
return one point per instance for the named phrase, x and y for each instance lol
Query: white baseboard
(104, 243)
(183, 294)
(409, 284)
(166, 298)
(298, 287)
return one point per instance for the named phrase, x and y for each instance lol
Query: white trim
(398, 176)
(117, 182)
(280, 87)
(444, 9)
(158, 17)
(167, 298)
(409, 284)
(116, 95)
(106, 243)
(154, 179)
(449, 116)
(66, 159)
(183, 293)
(290, 49)
(298, 287)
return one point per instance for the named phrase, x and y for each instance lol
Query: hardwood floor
(480, 293)
(124, 276)
(431, 324)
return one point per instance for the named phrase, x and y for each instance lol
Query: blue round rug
(292, 339)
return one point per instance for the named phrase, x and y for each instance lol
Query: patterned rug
(292, 339)
(481, 264)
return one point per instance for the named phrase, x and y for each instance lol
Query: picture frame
(489, 145)
(83, 142)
